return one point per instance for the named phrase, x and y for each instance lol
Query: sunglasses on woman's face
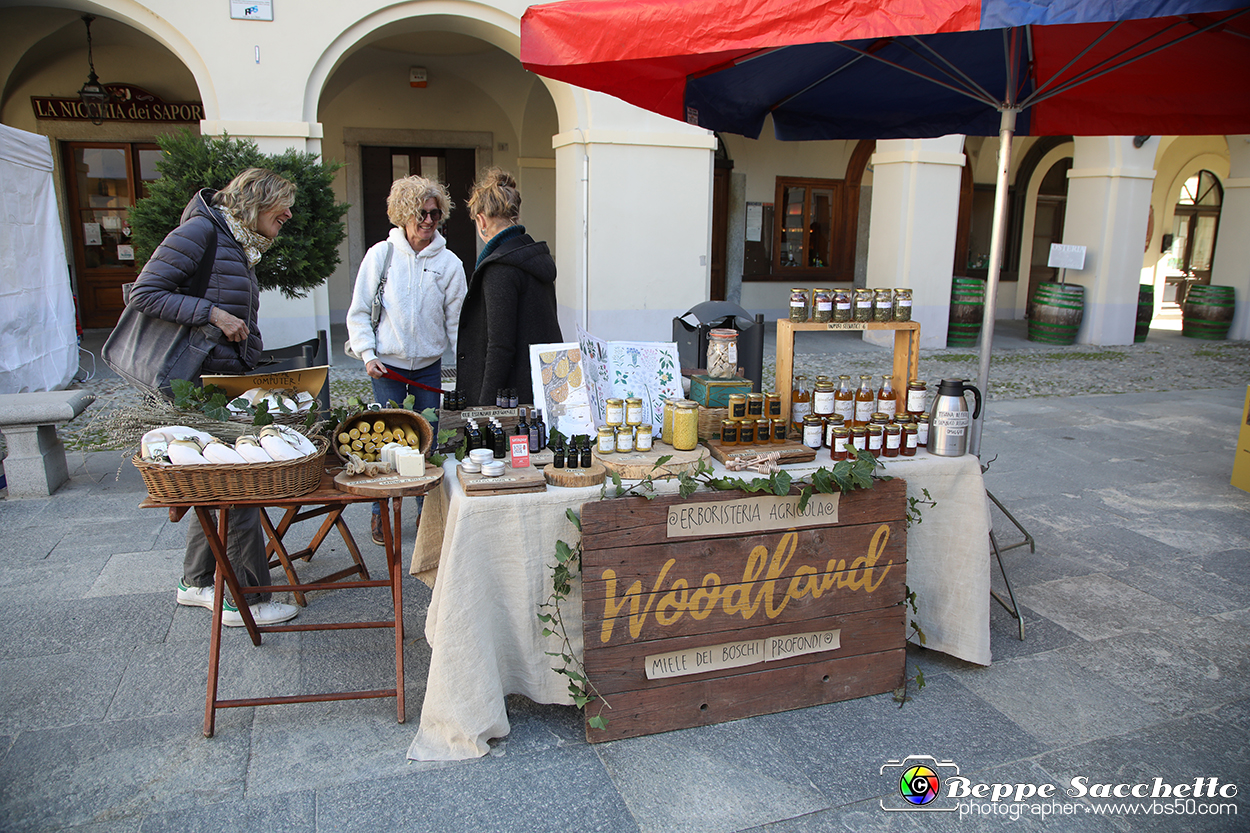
(434, 214)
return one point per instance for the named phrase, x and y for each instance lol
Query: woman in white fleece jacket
(425, 286)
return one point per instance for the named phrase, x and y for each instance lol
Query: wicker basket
(710, 420)
(390, 416)
(228, 481)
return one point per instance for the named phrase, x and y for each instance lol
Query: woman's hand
(234, 328)
(375, 369)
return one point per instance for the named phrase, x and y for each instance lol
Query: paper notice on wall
(125, 252)
(91, 234)
(755, 221)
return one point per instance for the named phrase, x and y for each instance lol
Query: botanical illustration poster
(648, 370)
(560, 388)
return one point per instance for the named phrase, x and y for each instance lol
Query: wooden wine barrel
(1055, 313)
(967, 312)
(1208, 312)
(1145, 312)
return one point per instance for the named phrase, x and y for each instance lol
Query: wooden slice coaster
(574, 478)
(389, 485)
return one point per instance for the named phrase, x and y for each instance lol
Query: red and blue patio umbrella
(881, 69)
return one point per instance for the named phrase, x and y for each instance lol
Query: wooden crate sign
(727, 605)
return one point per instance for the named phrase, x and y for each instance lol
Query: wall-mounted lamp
(1138, 141)
(416, 77)
(94, 96)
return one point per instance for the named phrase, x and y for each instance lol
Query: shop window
(808, 231)
(1194, 227)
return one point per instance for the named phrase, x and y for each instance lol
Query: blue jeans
(386, 390)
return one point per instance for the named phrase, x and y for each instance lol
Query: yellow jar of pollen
(686, 425)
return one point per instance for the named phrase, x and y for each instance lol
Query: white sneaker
(264, 613)
(195, 596)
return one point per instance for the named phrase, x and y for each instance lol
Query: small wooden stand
(635, 465)
(575, 478)
(790, 451)
(511, 482)
(906, 351)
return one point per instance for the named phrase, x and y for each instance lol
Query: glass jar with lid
(666, 421)
(624, 439)
(729, 431)
(633, 410)
(893, 441)
(863, 305)
(779, 430)
(606, 442)
(737, 406)
(642, 437)
(798, 305)
(686, 425)
(722, 353)
(876, 433)
(813, 429)
(822, 306)
(840, 440)
(755, 405)
(917, 395)
(746, 432)
(772, 405)
(902, 304)
(883, 305)
(615, 412)
(842, 305)
(822, 398)
(763, 430)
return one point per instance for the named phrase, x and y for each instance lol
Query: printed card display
(649, 370)
(558, 375)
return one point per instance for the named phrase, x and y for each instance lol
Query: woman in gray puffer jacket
(240, 222)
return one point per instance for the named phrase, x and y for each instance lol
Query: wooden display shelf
(906, 351)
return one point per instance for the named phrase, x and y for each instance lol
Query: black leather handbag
(150, 353)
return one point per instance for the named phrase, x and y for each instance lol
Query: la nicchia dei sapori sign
(130, 103)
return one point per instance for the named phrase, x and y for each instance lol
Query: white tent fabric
(38, 337)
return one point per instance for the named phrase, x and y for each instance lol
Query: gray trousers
(245, 547)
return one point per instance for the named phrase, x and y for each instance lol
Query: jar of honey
(876, 435)
(755, 405)
(859, 437)
(822, 399)
(800, 403)
(893, 441)
(737, 406)
(813, 430)
(832, 422)
(772, 405)
(910, 440)
(729, 431)
(917, 396)
(763, 431)
(779, 431)
(746, 432)
(840, 441)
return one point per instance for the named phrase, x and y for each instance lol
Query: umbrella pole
(1006, 130)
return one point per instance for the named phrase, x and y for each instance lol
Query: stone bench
(35, 465)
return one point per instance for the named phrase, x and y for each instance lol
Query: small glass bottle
(729, 431)
(800, 403)
(823, 399)
(607, 440)
(812, 431)
(917, 395)
(902, 305)
(585, 458)
(642, 437)
(798, 305)
(841, 438)
(887, 399)
(615, 412)
(557, 456)
(883, 305)
(863, 305)
(893, 441)
(737, 406)
(844, 400)
(865, 401)
(633, 411)
(686, 425)
(911, 439)
(842, 305)
(822, 308)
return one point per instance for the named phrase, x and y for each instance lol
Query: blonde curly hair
(408, 195)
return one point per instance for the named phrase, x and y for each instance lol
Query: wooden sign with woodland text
(727, 605)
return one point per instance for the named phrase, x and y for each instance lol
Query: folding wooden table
(333, 497)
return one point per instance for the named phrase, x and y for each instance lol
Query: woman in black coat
(238, 224)
(511, 300)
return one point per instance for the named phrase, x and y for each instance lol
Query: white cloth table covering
(495, 569)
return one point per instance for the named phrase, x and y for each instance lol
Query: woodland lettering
(768, 584)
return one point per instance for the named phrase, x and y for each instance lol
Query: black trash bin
(692, 336)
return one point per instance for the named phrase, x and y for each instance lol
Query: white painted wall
(1232, 249)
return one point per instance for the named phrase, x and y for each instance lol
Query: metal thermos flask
(949, 418)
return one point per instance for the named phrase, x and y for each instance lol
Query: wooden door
(454, 167)
(104, 180)
(720, 231)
